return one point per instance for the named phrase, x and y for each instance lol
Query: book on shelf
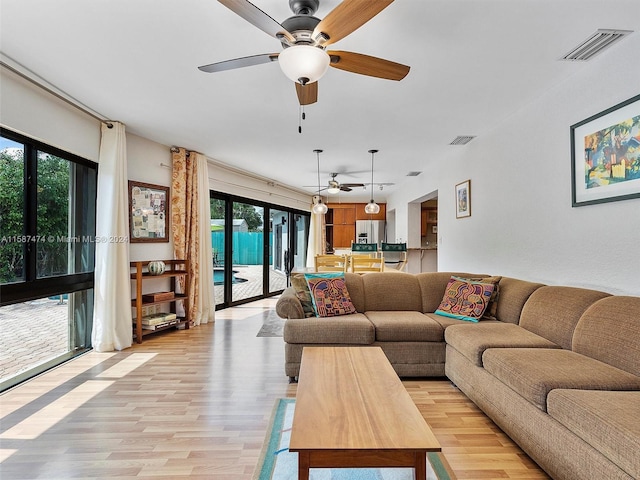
(160, 325)
(157, 318)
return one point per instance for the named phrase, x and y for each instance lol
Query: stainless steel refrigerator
(370, 231)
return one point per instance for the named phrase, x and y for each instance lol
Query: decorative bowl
(156, 268)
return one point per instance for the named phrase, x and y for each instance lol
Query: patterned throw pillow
(465, 299)
(299, 283)
(329, 294)
(492, 309)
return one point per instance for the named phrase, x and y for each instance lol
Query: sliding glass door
(279, 253)
(47, 245)
(255, 246)
(247, 246)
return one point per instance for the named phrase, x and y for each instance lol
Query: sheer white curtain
(112, 291)
(316, 238)
(205, 302)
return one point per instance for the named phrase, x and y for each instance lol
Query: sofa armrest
(288, 305)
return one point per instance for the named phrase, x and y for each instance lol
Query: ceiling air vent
(462, 139)
(413, 174)
(596, 43)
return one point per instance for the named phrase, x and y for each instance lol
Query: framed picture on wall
(148, 212)
(605, 155)
(463, 199)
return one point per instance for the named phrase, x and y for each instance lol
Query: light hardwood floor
(196, 404)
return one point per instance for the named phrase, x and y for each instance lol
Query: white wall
(31, 111)
(522, 223)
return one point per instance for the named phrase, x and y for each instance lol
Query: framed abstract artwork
(463, 199)
(605, 155)
(148, 212)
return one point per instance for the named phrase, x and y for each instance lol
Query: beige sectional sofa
(558, 369)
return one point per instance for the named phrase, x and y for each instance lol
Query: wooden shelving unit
(140, 273)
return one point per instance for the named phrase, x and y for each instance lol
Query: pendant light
(372, 207)
(319, 207)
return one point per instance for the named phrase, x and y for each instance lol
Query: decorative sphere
(156, 267)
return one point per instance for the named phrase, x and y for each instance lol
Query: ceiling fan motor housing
(301, 28)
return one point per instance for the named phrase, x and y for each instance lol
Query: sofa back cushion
(389, 291)
(512, 295)
(553, 312)
(609, 331)
(356, 290)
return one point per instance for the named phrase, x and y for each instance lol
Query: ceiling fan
(305, 38)
(334, 186)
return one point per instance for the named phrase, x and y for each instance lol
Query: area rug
(272, 325)
(277, 463)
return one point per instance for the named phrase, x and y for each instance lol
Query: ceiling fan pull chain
(301, 117)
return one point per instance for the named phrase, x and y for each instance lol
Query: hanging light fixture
(372, 207)
(304, 63)
(319, 207)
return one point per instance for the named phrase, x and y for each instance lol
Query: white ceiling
(473, 63)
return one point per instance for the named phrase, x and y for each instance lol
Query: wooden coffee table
(352, 411)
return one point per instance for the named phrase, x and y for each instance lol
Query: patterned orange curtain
(184, 222)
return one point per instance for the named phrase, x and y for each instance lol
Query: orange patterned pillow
(465, 299)
(329, 294)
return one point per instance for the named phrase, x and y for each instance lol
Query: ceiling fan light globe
(372, 208)
(333, 190)
(319, 208)
(304, 62)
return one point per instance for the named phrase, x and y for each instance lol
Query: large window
(47, 240)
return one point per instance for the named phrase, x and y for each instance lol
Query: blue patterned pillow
(329, 294)
(465, 299)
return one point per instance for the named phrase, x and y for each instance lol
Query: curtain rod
(246, 173)
(271, 184)
(61, 96)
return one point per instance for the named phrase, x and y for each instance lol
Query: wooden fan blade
(257, 17)
(346, 18)
(239, 62)
(307, 94)
(366, 65)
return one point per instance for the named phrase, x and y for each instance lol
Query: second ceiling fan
(305, 38)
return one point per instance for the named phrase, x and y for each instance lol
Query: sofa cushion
(534, 372)
(553, 312)
(354, 329)
(405, 327)
(446, 322)
(329, 294)
(610, 331)
(514, 293)
(356, 290)
(472, 340)
(465, 299)
(391, 291)
(608, 421)
(299, 283)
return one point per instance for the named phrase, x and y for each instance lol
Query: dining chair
(365, 264)
(395, 255)
(331, 263)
